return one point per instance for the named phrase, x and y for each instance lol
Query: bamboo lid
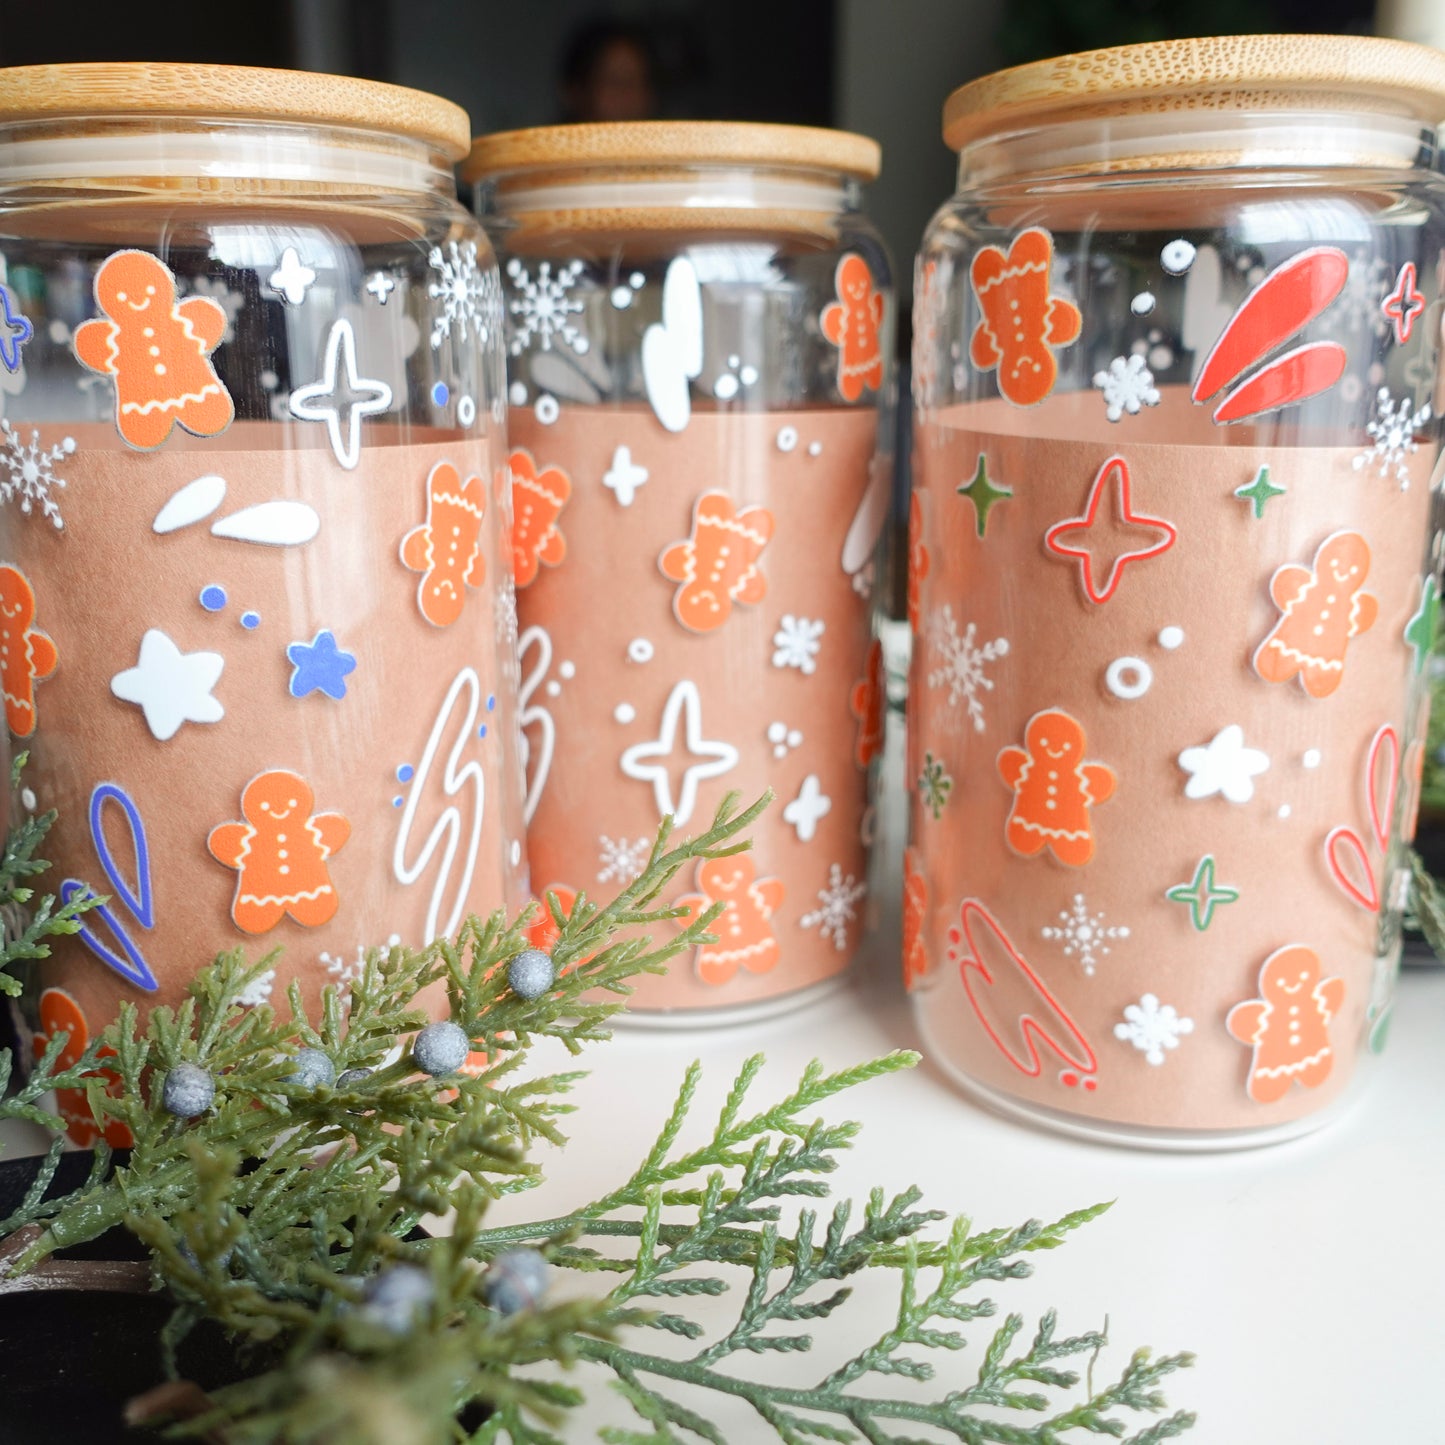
(672, 143)
(1226, 73)
(230, 92)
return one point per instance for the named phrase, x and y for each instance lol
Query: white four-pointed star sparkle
(169, 686)
(292, 277)
(624, 476)
(324, 401)
(804, 811)
(651, 762)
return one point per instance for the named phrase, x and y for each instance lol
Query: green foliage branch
(277, 1211)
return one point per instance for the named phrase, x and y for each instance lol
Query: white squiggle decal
(447, 832)
(530, 714)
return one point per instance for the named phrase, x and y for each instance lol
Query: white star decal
(170, 686)
(291, 278)
(804, 811)
(650, 762)
(1223, 765)
(624, 477)
(381, 286)
(361, 396)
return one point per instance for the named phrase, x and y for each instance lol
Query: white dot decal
(1170, 638)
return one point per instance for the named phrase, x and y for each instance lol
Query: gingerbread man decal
(60, 1013)
(866, 703)
(1323, 607)
(281, 853)
(1288, 1026)
(27, 655)
(851, 323)
(1023, 325)
(158, 350)
(744, 927)
(718, 564)
(1054, 789)
(537, 501)
(447, 547)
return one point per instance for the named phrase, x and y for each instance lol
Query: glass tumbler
(700, 326)
(253, 481)
(1173, 579)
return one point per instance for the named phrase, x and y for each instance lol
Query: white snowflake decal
(1127, 385)
(1083, 934)
(27, 471)
(345, 971)
(543, 307)
(962, 662)
(258, 991)
(836, 908)
(1152, 1028)
(796, 643)
(462, 289)
(1393, 433)
(622, 860)
(1358, 305)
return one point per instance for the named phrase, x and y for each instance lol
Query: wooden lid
(230, 92)
(671, 143)
(1232, 72)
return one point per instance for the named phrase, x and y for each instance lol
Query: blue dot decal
(396, 802)
(482, 731)
(213, 598)
(405, 773)
(491, 702)
(250, 620)
(439, 393)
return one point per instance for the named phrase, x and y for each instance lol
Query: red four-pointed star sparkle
(1404, 303)
(1080, 537)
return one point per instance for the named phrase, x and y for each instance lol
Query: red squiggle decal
(1016, 1010)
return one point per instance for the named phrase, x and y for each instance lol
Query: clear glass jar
(253, 474)
(701, 329)
(1173, 579)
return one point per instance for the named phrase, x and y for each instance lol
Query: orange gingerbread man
(537, 501)
(918, 561)
(718, 564)
(158, 350)
(60, 1013)
(867, 706)
(27, 655)
(915, 913)
(1022, 325)
(1322, 608)
(1054, 789)
(281, 853)
(447, 547)
(744, 928)
(1288, 1026)
(851, 323)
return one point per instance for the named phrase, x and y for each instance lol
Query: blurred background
(878, 66)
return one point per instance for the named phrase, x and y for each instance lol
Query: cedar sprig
(276, 1212)
(26, 924)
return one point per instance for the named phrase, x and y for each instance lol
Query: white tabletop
(1284, 1269)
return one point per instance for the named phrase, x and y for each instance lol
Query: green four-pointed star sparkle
(1420, 633)
(1202, 894)
(1259, 491)
(982, 493)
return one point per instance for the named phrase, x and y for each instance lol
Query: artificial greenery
(288, 1212)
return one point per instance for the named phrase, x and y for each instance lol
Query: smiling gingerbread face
(1055, 736)
(1288, 974)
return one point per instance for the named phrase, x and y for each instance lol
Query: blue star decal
(15, 331)
(321, 666)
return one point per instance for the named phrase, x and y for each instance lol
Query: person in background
(609, 73)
